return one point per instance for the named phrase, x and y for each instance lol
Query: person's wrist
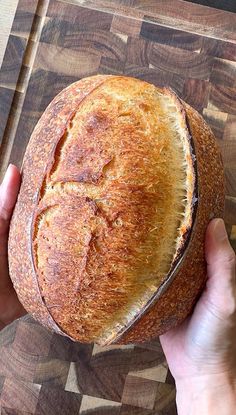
(207, 394)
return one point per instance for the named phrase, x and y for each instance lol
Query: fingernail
(219, 229)
(6, 175)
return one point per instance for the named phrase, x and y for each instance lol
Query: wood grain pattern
(219, 48)
(67, 402)
(69, 61)
(189, 17)
(138, 52)
(156, 76)
(100, 42)
(228, 5)
(84, 19)
(230, 128)
(6, 18)
(12, 61)
(168, 36)
(126, 26)
(185, 63)
(25, 395)
(54, 372)
(196, 93)
(13, 72)
(6, 97)
(187, 46)
(24, 18)
(222, 98)
(217, 121)
(223, 72)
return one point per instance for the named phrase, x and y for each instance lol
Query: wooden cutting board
(191, 48)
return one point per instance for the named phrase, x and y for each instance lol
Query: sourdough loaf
(119, 181)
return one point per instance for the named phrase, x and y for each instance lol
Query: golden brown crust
(51, 210)
(178, 300)
(109, 170)
(47, 132)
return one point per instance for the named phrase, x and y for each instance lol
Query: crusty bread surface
(120, 179)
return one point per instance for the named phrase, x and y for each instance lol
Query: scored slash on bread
(120, 179)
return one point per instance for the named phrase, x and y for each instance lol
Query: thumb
(220, 257)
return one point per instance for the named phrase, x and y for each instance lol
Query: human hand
(10, 307)
(201, 352)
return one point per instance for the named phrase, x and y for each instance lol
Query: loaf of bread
(120, 179)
